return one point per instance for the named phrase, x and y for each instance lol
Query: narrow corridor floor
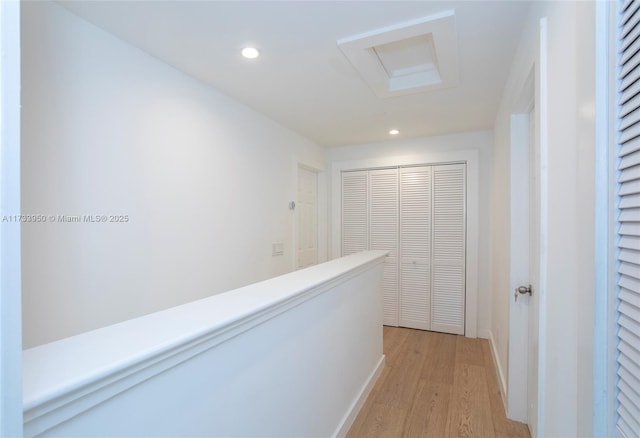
(435, 385)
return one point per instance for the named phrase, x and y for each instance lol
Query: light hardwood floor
(435, 385)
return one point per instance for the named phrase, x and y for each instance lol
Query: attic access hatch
(407, 58)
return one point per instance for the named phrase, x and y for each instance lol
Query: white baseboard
(502, 381)
(354, 409)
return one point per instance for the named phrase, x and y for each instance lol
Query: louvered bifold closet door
(629, 224)
(355, 212)
(415, 247)
(383, 234)
(448, 249)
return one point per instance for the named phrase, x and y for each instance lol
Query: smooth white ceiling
(301, 79)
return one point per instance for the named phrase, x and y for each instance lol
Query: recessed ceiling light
(394, 132)
(250, 52)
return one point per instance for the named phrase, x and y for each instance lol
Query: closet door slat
(449, 249)
(415, 247)
(355, 212)
(383, 235)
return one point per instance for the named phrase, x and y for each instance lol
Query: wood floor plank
(402, 381)
(469, 409)
(438, 365)
(435, 385)
(428, 416)
(468, 351)
(394, 341)
(382, 421)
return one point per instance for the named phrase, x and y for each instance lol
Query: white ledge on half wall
(70, 376)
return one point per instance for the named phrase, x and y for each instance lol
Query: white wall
(568, 312)
(108, 129)
(392, 152)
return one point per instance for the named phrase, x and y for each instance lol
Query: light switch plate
(277, 249)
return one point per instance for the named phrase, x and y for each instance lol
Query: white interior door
(307, 217)
(522, 399)
(534, 275)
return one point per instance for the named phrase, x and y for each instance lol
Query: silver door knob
(521, 291)
(524, 290)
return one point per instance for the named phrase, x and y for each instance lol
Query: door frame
(471, 158)
(606, 211)
(10, 280)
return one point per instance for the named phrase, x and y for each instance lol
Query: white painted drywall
(567, 357)
(395, 151)
(110, 130)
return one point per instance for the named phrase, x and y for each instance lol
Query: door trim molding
(471, 158)
(10, 279)
(543, 117)
(605, 327)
